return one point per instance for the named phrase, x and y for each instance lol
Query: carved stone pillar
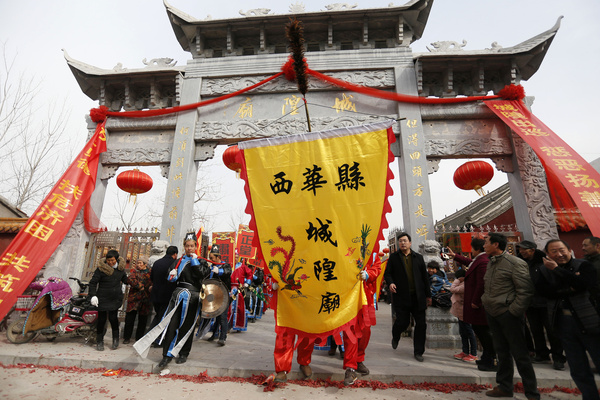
(183, 172)
(412, 163)
(529, 191)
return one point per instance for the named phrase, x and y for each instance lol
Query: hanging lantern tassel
(473, 175)
(134, 182)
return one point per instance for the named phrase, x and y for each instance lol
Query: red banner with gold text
(579, 178)
(226, 243)
(48, 225)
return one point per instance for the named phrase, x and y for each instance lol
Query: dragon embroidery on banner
(287, 272)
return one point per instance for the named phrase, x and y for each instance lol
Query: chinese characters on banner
(48, 225)
(226, 243)
(243, 243)
(318, 203)
(580, 179)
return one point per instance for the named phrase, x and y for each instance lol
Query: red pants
(355, 352)
(284, 351)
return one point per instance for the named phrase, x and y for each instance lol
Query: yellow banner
(317, 202)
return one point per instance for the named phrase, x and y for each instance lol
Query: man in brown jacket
(508, 291)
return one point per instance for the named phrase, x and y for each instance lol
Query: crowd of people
(171, 287)
(513, 306)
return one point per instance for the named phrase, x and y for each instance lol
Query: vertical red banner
(579, 178)
(226, 243)
(243, 243)
(48, 225)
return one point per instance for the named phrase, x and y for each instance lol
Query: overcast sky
(104, 33)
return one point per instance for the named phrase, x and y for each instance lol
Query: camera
(444, 250)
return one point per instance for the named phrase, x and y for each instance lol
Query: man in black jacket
(537, 313)
(162, 289)
(571, 287)
(408, 281)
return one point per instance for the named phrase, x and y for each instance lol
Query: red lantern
(134, 182)
(229, 158)
(473, 175)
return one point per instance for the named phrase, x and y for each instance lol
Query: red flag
(48, 225)
(580, 179)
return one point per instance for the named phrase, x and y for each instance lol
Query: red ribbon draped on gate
(578, 177)
(48, 225)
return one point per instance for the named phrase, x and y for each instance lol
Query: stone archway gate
(368, 47)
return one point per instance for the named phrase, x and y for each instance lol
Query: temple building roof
(482, 210)
(446, 71)
(527, 55)
(341, 26)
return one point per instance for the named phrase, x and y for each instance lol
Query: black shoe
(154, 345)
(540, 360)
(331, 351)
(395, 344)
(100, 346)
(487, 367)
(163, 363)
(221, 342)
(213, 337)
(559, 366)
(126, 341)
(181, 360)
(115, 344)
(419, 357)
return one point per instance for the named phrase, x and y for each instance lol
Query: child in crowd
(469, 343)
(437, 278)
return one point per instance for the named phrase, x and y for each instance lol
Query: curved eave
(90, 78)
(528, 54)
(415, 14)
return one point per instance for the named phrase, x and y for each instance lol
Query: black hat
(526, 244)
(215, 249)
(190, 236)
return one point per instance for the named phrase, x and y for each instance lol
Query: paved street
(251, 353)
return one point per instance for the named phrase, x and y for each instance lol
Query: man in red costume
(355, 348)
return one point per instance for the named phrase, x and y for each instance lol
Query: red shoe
(460, 355)
(470, 358)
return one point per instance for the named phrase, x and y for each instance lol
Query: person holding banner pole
(355, 348)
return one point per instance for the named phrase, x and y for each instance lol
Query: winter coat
(395, 272)
(106, 285)
(507, 286)
(162, 289)
(534, 272)
(565, 286)
(138, 297)
(474, 288)
(458, 298)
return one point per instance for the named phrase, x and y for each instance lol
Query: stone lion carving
(430, 250)
(158, 251)
(449, 45)
(255, 12)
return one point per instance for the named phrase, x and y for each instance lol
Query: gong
(215, 298)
